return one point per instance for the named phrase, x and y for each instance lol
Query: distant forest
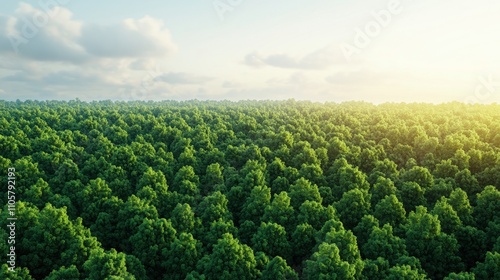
(221, 190)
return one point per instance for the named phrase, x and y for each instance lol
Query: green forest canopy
(252, 190)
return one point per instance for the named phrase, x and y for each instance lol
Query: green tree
(39, 194)
(213, 179)
(236, 197)
(327, 264)
(412, 195)
(382, 188)
(446, 169)
(448, 217)
(229, 260)
(488, 206)
(337, 148)
(186, 182)
(27, 173)
(490, 268)
(405, 272)
(460, 202)
(348, 248)
(125, 158)
(18, 274)
(216, 231)
(315, 214)
(154, 179)
(182, 218)
(277, 268)
(66, 172)
(152, 237)
(312, 173)
(437, 251)
(262, 260)
(280, 184)
(275, 170)
(92, 200)
(441, 188)
(212, 208)
(246, 231)
(375, 269)
(70, 273)
(105, 227)
(365, 228)
(252, 174)
(118, 181)
(107, 265)
(420, 175)
(344, 178)
(181, 257)
(272, 239)
(280, 211)
(255, 205)
(303, 190)
(460, 276)
(387, 168)
(467, 182)
(302, 242)
(382, 243)
(131, 217)
(49, 240)
(473, 244)
(390, 211)
(352, 207)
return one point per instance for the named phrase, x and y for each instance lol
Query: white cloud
(143, 64)
(316, 60)
(181, 78)
(354, 78)
(298, 78)
(40, 35)
(55, 36)
(145, 37)
(58, 55)
(230, 84)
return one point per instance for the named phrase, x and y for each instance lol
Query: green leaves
(229, 260)
(255, 205)
(149, 241)
(490, 268)
(352, 207)
(212, 208)
(327, 264)
(437, 251)
(382, 243)
(419, 175)
(488, 206)
(272, 239)
(303, 190)
(280, 211)
(107, 265)
(390, 211)
(181, 257)
(180, 190)
(278, 269)
(50, 240)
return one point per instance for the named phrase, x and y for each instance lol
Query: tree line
(252, 190)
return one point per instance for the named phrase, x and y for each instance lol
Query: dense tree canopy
(251, 190)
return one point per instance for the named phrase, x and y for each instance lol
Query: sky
(322, 50)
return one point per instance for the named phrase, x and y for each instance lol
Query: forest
(250, 190)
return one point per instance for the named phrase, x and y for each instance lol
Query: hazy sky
(377, 51)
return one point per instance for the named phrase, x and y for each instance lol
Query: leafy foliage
(252, 190)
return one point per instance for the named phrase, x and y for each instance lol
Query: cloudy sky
(321, 50)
